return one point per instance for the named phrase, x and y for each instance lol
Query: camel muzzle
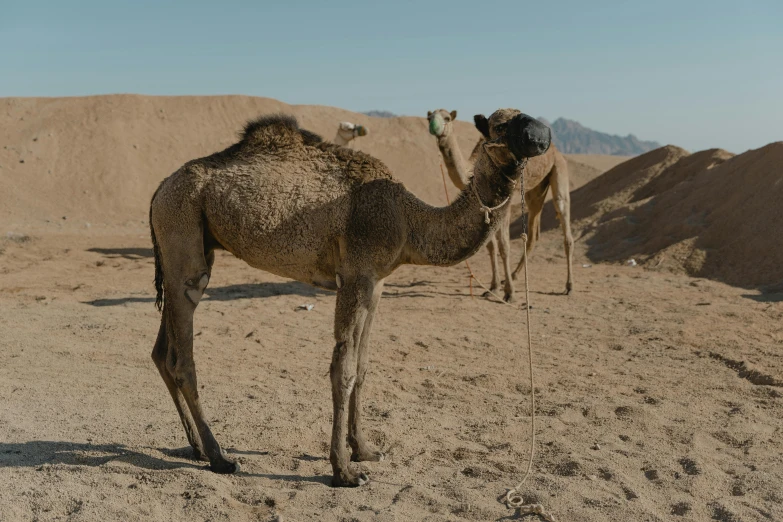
(527, 137)
(437, 125)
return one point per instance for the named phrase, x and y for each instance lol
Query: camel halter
(489, 210)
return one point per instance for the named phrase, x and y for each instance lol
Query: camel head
(348, 131)
(512, 135)
(503, 121)
(441, 122)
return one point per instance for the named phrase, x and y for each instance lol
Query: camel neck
(457, 167)
(341, 140)
(448, 235)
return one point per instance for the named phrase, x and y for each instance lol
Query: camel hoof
(509, 298)
(488, 293)
(371, 456)
(568, 289)
(352, 481)
(225, 467)
(514, 276)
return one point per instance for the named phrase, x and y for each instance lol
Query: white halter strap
(489, 210)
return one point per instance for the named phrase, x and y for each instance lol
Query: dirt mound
(617, 186)
(100, 158)
(684, 169)
(721, 221)
(583, 168)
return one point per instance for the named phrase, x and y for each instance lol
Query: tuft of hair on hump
(262, 127)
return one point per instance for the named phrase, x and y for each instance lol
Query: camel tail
(158, 264)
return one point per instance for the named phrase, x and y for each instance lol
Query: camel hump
(358, 166)
(275, 131)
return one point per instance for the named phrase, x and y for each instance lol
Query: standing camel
(347, 131)
(548, 169)
(289, 203)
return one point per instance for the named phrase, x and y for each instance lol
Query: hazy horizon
(698, 77)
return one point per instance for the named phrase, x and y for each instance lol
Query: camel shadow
(325, 480)
(252, 291)
(39, 453)
(230, 293)
(407, 294)
(126, 253)
(551, 292)
(119, 301)
(765, 298)
(36, 453)
(408, 285)
(309, 458)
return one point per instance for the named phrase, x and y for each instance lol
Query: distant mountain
(380, 114)
(572, 137)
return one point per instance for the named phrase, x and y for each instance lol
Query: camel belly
(288, 229)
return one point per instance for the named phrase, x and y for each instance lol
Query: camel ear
(453, 115)
(499, 153)
(429, 114)
(482, 124)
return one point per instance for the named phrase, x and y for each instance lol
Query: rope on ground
(514, 498)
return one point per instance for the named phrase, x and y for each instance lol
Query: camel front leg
(504, 243)
(354, 300)
(362, 451)
(534, 200)
(492, 246)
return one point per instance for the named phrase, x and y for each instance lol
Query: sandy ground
(659, 395)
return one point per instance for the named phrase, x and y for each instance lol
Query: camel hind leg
(186, 270)
(159, 356)
(562, 201)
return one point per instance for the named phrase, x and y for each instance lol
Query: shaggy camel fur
(347, 131)
(289, 203)
(540, 172)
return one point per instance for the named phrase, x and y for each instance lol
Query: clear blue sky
(695, 74)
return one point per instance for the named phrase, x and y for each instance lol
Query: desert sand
(660, 386)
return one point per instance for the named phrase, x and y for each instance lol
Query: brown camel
(347, 131)
(548, 169)
(289, 203)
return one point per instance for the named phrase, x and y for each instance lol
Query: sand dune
(100, 158)
(717, 216)
(585, 167)
(710, 214)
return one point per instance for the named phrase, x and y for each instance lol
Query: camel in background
(347, 131)
(542, 171)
